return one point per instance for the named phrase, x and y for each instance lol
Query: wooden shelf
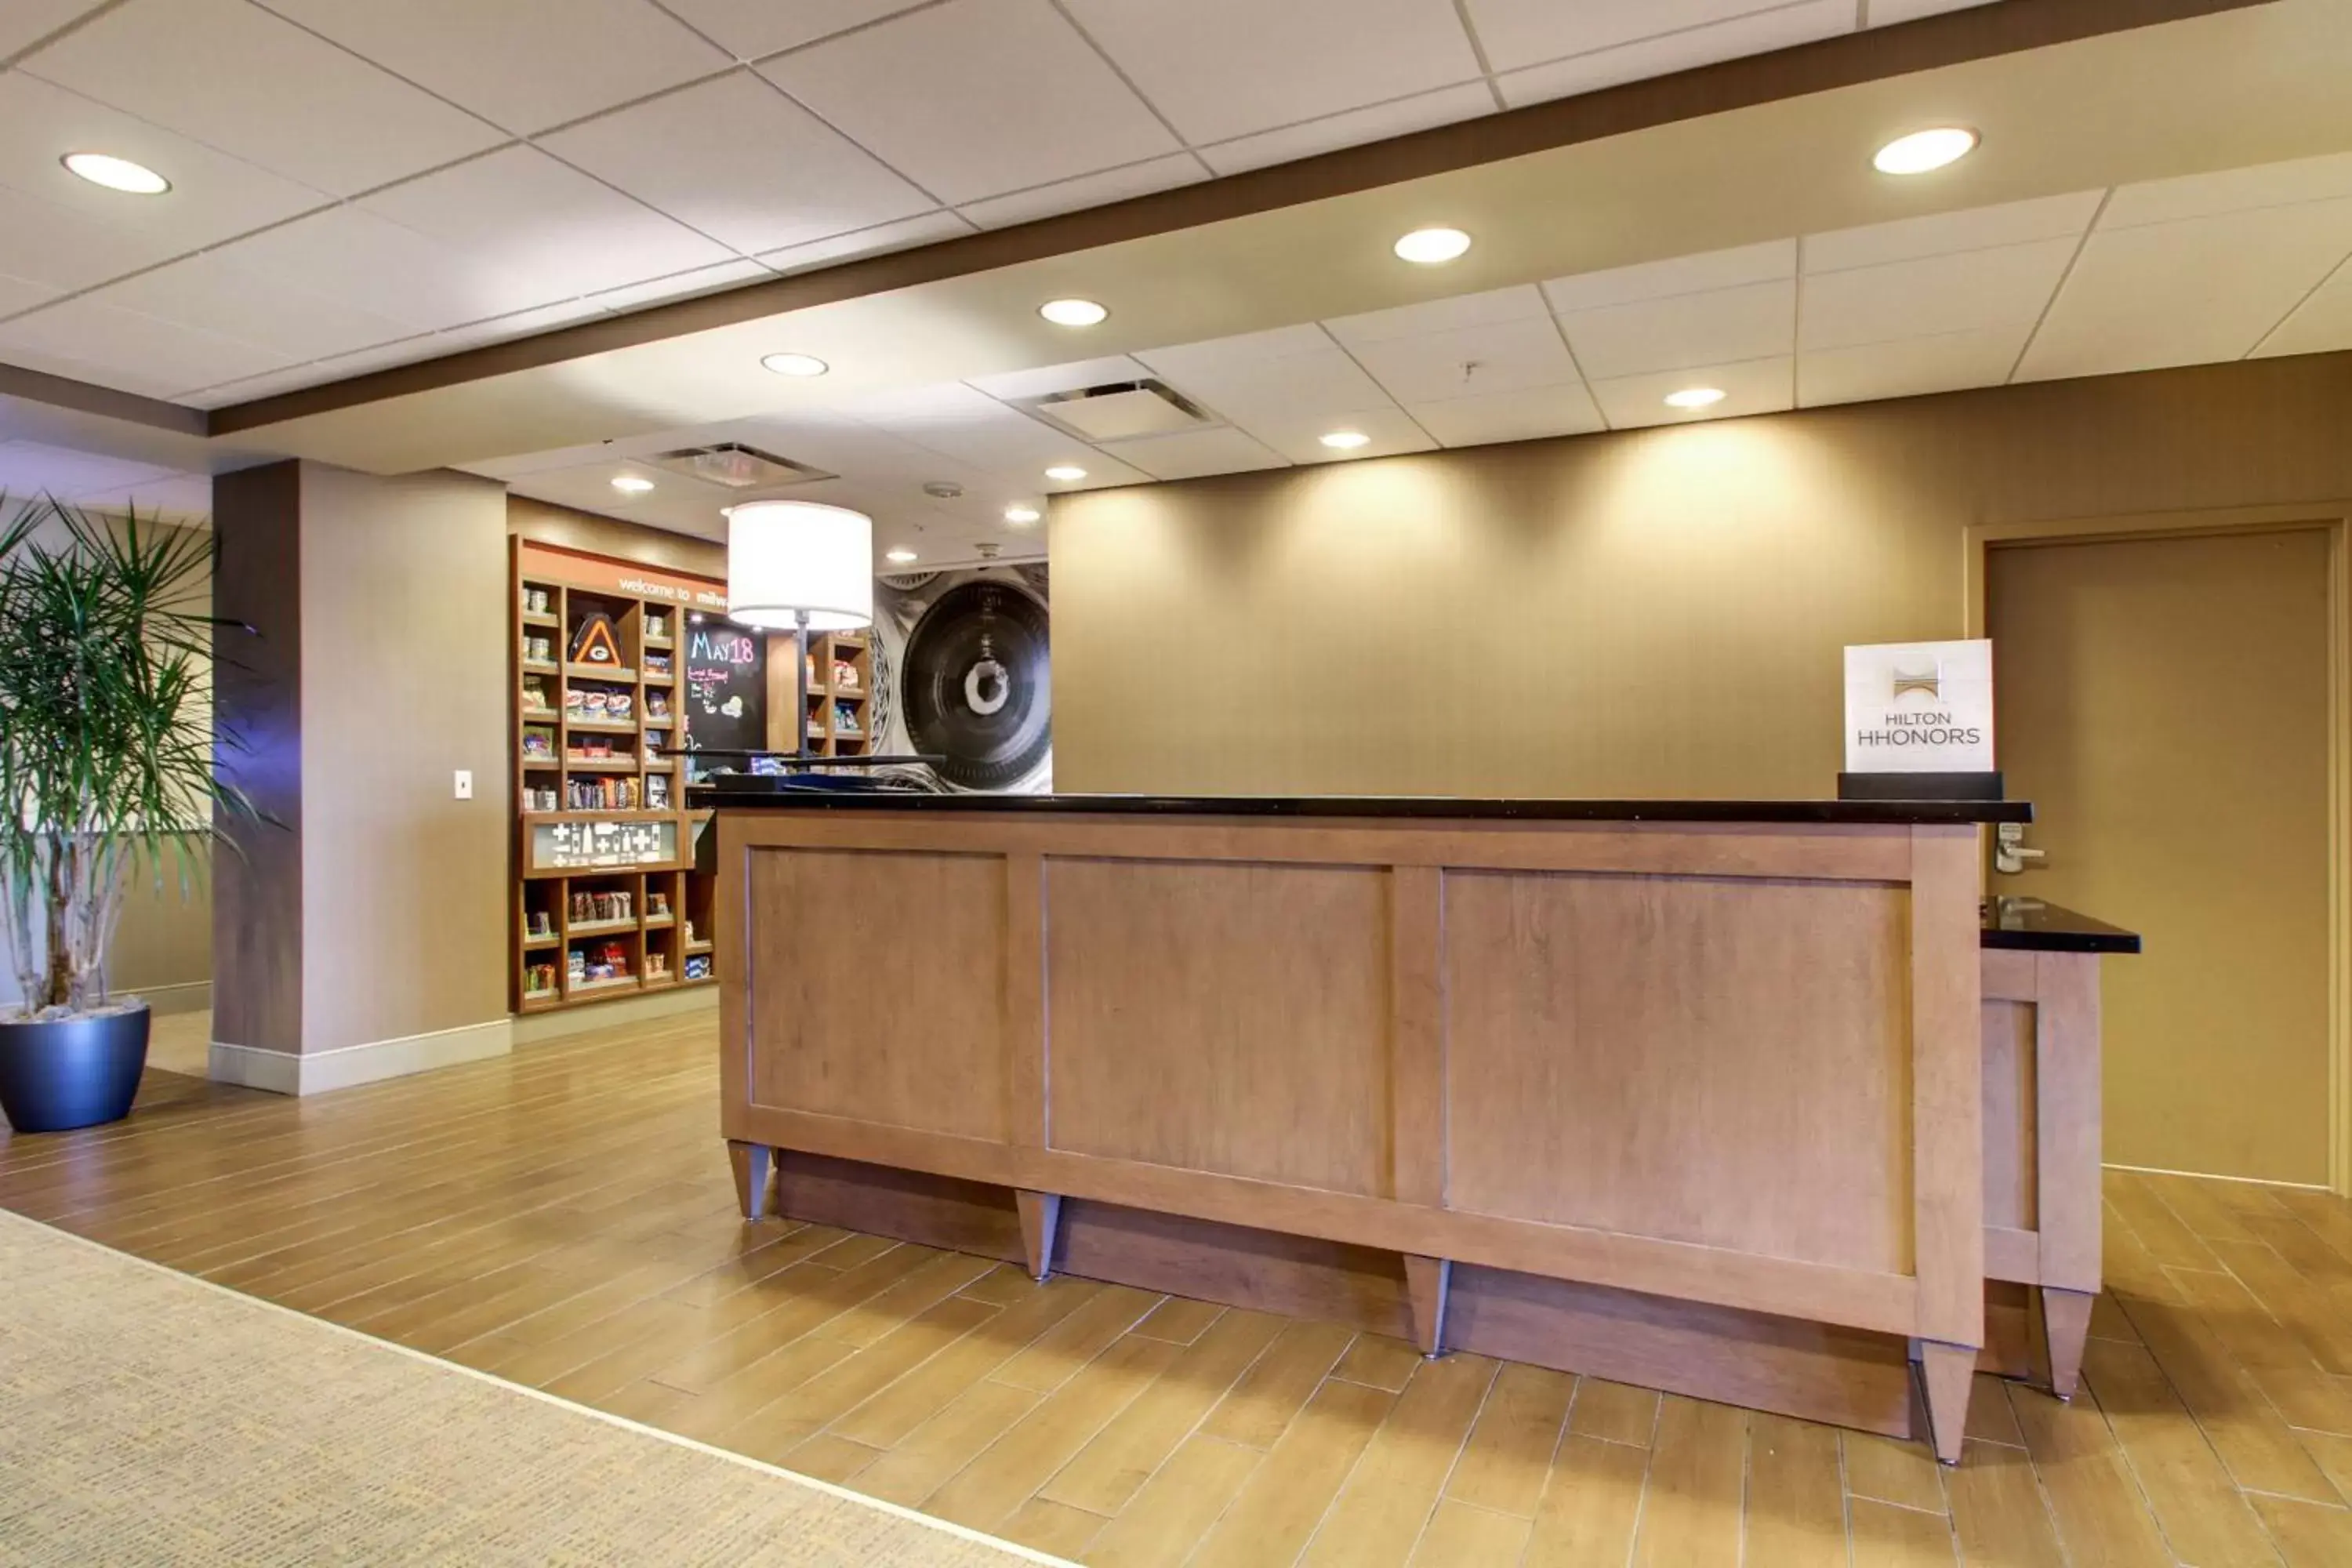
(551, 940)
(660, 922)
(605, 673)
(535, 667)
(542, 765)
(600, 928)
(612, 765)
(659, 644)
(698, 946)
(590, 987)
(541, 1000)
(657, 677)
(532, 620)
(604, 726)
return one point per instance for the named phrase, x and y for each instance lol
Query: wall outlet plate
(464, 783)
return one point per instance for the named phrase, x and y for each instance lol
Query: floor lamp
(800, 566)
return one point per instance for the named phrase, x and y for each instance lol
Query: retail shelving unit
(606, 902)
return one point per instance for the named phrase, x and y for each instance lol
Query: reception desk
(1690, 1094)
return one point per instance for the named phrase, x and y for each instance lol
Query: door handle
(2009, 852)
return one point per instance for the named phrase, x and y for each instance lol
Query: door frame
(2335, 518)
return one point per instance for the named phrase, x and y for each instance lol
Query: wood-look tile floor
(564, 1217)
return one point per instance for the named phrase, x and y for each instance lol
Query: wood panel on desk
(1215, 1018)
(1602, 1031)
(922, 1047)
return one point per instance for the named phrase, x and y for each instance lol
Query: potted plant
(106, 783)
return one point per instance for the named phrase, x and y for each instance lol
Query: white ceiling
(360, 183)
(2250, 263)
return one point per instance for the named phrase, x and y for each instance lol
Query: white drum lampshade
(790, 558)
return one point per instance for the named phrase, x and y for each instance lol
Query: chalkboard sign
(724, 698)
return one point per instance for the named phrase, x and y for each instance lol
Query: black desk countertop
(761, 794)
(2029, 925)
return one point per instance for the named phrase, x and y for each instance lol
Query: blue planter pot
(72, 1072)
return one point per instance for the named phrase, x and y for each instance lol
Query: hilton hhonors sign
(1919, 708)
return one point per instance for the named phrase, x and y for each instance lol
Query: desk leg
(1041, 1217)
(1948, 1370)
(2065, 1324)
(1427, 1281)
(755, 1169)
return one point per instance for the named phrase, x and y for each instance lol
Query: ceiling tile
(2321, 325)
(1517, 33)
(1470, 362)
(1525, 416)
(741, 162)
(83, 234)
(233, 75)
(519, 211)
(1757, 33)
(1886, 13)
(928, 230)
(1675, 275)
(1943, 234)
(1014, 386)
(506, 328)
(753, 30)
(1754, 386)
(2230, 190)
(95, 342)
(1229, 376)
(1088, 191)
(1523, 303)
(967, 425)
(680, 286)
(213, 293)
(370, 262)
(1191, 454)
(33, 468)
(2187, 293)
(976, 98)
(1908, 367)
(22, 294)
(1720, 326)
(24, 23)
(1298, 435)
(1223, 68)
(1446, 106)
(522, 64)
(1932, 294)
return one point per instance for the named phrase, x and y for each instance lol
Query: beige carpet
(146, 1417)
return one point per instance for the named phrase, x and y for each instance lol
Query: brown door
(2165, 704)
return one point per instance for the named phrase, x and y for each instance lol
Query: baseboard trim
(192, 997)
(318, 1072)
(530, 1028)
(2216, 1176)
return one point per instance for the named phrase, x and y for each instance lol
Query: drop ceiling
(360, 184)
(2164, 197)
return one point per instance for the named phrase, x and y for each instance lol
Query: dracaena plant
(107, 778)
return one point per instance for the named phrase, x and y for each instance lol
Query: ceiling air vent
(1123, 410)
(737, 467)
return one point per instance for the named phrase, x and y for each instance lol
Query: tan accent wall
(1651, 613)
(403, 643)
(547, 523)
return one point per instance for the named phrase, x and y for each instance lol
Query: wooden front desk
(1693, 1103)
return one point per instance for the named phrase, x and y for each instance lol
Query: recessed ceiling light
(1345, 440)
(1066, 473)
(901, 556)
(117, 173)
(1695, 397)
(1431, 246)
(1925, 150)
(1073, 312)
(796, 364)
(631, 485)
(1020, 514)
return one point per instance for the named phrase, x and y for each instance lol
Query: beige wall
(403, 654)
(377, 909)
(1653, 613)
